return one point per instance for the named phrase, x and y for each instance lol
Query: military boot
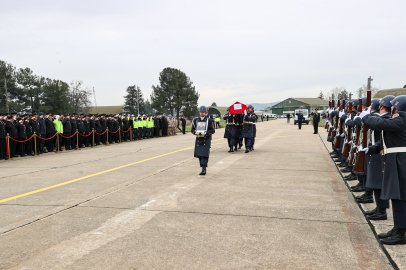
(388, 234)
(231, 149)
(397, 238)
(247, 150)
(350, 177)
(380, 214)
(235, 148)
(368, 213)
(203, 172)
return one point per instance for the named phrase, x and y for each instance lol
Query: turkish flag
(238, 107)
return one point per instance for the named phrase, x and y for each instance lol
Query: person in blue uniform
(249, 129)
(230, 131)
(299, 119)
(392, 147)
(203, 140)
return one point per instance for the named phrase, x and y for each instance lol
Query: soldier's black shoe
(231, 149)
(338, 160)
(367, 198)
(203, 172)
(246, 150)
(358, 189)
(351, 177)
(239, 147)
(388, 234)
(235, 148)
(252, 148)
(345, 170)
(380, 214)
(368, 213)
(333, 153)
(342, 164)
(397, 238)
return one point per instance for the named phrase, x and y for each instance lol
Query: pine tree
(130, 104)
(321, 95)
(175, 94)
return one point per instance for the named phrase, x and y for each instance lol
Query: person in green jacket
(217, 120)
(59, 128)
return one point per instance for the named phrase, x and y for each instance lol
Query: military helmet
(399, 103)
(202, 109)
(386, 101)
(358, 121)
(250, 106)
(364, 101)
(375, 104)
(355, 103)
(228, 108)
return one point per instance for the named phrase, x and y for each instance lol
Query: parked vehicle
(305, 113)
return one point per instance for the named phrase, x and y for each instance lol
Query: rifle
(331, 121)
(338, 139)
(359, 166)
(347, 147)
(333, 134)
(355, 143)
(326, 125)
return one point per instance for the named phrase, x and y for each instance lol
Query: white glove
(340, 114)
(368, 111)
(245, 112)
(360, 149)
(350, 142)
(338, 134)
(342, 135)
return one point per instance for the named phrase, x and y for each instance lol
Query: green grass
(320, 123)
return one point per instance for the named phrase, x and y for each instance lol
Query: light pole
(138, 101)
(95, 102)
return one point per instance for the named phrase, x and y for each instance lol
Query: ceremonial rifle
(331, 121)
(347, 146)
(357, 138)
(326, 125)
(338, 139)
(333, 134)
(359, 166)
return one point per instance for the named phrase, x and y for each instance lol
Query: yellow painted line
(92, 175)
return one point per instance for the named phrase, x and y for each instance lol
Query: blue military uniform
(249, 130)
(300, 119)
(394, 166)
(203, 142)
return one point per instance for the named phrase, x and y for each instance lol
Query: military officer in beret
(392, 147)
(203, 128)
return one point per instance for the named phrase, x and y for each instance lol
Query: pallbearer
(203, 128)
(249, 129)
(229, 132)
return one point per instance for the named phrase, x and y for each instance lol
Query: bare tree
(79, 97)
(338, 92)
(362, 91)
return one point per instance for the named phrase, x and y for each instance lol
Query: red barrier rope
(114, 132)
(125, 131)
(100, 134)
(46, 139)
(67, 137)
(86, 135)
(23, 141)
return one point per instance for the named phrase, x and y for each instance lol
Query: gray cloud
(250, 51)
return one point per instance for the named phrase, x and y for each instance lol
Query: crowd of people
(368, 139)
(38, 133)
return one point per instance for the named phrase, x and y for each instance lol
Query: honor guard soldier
(249, 128)
(392, 147)
(203, 128)
(229, 132)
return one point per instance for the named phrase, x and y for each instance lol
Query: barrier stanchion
(35, 144)
(131, 134)
(119, 134)
(93, 137)
(77, 140)
(8, 146)
(107, 132)
(57, 142)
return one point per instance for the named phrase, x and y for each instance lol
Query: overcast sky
(250, 51)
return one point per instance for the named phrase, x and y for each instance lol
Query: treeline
(28, 92)
(174, 95)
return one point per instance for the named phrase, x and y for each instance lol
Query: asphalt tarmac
(142, 205)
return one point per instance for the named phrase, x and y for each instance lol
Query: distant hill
(262, 106)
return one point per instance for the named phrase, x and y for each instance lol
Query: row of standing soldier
(369, 140)
(74, 131)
